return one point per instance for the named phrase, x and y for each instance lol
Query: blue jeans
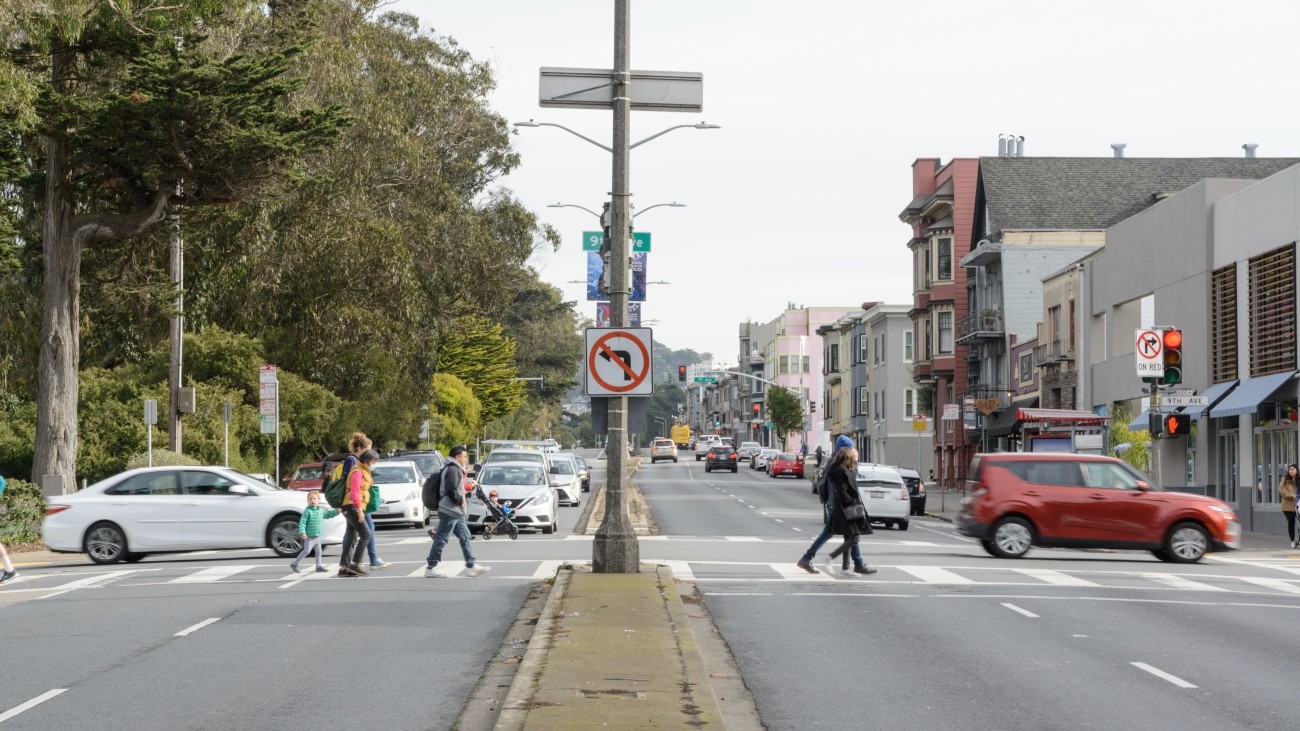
(370, 544)
(825, 535)
(446, 525)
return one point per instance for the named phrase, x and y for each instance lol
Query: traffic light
(756, 408)
(1176, 424)
(681, 373)
(1173, 356)
(812, 406)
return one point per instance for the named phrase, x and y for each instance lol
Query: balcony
(1052, 353)
(986, 324)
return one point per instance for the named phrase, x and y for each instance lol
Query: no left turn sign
(618, 361)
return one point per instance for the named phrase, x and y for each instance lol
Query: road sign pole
(615, 549)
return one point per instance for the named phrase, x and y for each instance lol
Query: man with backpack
(451, 516)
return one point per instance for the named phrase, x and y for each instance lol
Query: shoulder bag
(856, 511)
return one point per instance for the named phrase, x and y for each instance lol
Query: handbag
(374, 501)
(857, 511)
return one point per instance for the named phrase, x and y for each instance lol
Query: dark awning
(1246, 398)
(1215, 394)
(1003, 421)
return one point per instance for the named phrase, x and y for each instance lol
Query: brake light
(54, 508)
(733, 455)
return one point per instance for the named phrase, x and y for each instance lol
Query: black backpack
(824, 485)
(431, 492)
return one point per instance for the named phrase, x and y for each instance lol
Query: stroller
(498, 518)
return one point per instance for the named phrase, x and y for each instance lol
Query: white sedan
(169, 509)
(399, 493)
(762, 457)
(885, 495)
(533, 499)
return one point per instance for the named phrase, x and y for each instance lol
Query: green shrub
(161, 458)
(22, 508)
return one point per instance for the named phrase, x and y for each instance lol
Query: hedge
(22, 508)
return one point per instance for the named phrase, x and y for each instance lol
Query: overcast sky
(824, 104)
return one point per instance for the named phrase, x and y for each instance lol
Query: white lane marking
(410, 541)
(546, 570)
(1275, 584)
(1025, 612)
(451, 568)
(576, 537)
(935, 575)
(735, 593)
(778, 520)
(307, 574)
(92, 581)
(798, 529)
(754, 539)
(790, 572)
(681, 569)
(208, 576)
(1163, 675)
(1180, 582)
(30, 704)
(196, 627)
(1056, 578)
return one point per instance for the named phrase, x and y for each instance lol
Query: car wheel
(706, 468)
(1161, 554)
(134, 557)
(282, 536)
(1187, 543)
(674, 460)
(105, 543)
(988, 546)
(903, 524)
(548, 529)
(1012, 537)
(733, 470)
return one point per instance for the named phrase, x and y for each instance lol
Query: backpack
(824, 485)
(430, 493)
(335, 489)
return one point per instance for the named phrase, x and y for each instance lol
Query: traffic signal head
(1173, 356)
(1176, 424)
(756, 407)
(681, 373)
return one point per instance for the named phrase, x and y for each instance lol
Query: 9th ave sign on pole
(618, 361)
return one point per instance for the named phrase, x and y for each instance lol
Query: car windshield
(562, 467)
(785, 457)
(262, 484)
(308, 473)
(383, 474)
(511, 475)
(426, 463)
(518, 457)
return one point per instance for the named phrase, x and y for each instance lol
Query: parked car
(399, 484)
(785, 463)
(309, 476)
(720, 458)
(915, 489)
(550, 446)
(533, 500)
(564, 478)
(518, 454)
(167, 509)
(428, 461)
(759, 461)
(662, 448)
(1018, 500)
(705, 443)
(884, 494)
(747, 450)
(584, 472)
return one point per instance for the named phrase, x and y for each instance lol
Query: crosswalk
(38, 584)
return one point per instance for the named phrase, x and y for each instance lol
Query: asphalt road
(947, 637)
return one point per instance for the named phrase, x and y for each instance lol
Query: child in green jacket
(310, 528)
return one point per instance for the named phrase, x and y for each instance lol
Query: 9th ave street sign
(706, 379)
(591, 240)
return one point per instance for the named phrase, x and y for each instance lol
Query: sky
(823, 107)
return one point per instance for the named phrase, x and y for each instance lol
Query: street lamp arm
(701, 125)
(674, 204)
(574, 205)
(747, 375)
(601, 145)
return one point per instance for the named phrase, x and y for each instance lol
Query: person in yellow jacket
(354, 512)
(1286, 489)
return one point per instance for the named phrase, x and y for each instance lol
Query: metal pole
(1155, 436)
(226, 414)
(615, 549)
(277, 430)
(177, 333)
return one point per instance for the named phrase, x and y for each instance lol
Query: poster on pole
(633, 314)
(637, 281)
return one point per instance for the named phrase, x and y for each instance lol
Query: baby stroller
(498, 518)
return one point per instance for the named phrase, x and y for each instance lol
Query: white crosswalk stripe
(936, 575)
(214, 574)
(1056, 578)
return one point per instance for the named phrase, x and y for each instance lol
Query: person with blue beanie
(827, 495)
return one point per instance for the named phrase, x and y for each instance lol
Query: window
(1070, 325)
(1044, 473)
(908, 337)
(945, 259)
(866, 402)
(882, 348)
(149, 483)
(880, 400)
(209, 483)
(909, 403)
(1272, 311)
(1026, 367)
(807, 363)
(785, 364)
(862, 348)
(928, 279)
(945, 332)
(835, 358)
(1054, 323)
(929, 338)
(1223, 324)
(1109, 475)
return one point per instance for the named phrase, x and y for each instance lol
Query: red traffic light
(756, 408)
(681, 373)
(1173, 339)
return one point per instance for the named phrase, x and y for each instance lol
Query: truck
(682, 436)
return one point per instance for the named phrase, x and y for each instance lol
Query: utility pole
(177, 333)
(615, 549)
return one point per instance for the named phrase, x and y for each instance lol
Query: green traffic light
(1172, 376)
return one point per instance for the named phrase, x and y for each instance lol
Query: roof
(1093, 193)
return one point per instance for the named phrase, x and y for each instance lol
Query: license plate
(877, 494)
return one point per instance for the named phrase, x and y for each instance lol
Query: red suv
(1017, 500)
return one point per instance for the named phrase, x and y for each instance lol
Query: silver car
(565, 478)
(399, 483)
(534, 501)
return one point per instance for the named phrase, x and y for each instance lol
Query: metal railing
(986, 323)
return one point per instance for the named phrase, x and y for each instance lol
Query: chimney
(1250, 147)
(1020, 146)
(1002, 145)
(1118, 147)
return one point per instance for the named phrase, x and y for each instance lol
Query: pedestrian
(358, 444)
(842, 482)
(355, 499)
(803, 452)
(1286, 488)
(451, 517)
(10, 573)
(820, 454)
(310, 526)
(827, 496)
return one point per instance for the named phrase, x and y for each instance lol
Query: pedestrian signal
(1176, 424)
(1173, 356)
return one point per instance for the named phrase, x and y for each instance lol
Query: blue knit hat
(843, 442)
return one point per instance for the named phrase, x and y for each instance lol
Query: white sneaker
(828, 566)
(477, 570)
(849, 573)
(433, 572)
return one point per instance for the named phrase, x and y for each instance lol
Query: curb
(514, 711)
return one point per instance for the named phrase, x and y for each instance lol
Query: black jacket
(844, 488)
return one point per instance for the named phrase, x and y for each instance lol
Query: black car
(720, 458)
(428, 461)
(915, 488)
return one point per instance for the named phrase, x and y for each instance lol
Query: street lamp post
(664, 422)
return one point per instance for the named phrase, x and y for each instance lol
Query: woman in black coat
(843, 480)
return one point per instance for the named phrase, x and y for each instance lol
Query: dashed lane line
(1163, 675)
(27, 706)
(1025, 612)
(196, 627)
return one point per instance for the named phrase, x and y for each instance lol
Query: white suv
(662, 448)
(704, 444)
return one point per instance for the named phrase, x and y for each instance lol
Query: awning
(1245, 399)
(1215, 394)
(1003, 421)
(1143, 422)
(1062, 416)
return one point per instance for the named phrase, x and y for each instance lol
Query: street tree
(477, 351)
(456, 412)
(137, 110)
(545, 329)
(784, 411)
